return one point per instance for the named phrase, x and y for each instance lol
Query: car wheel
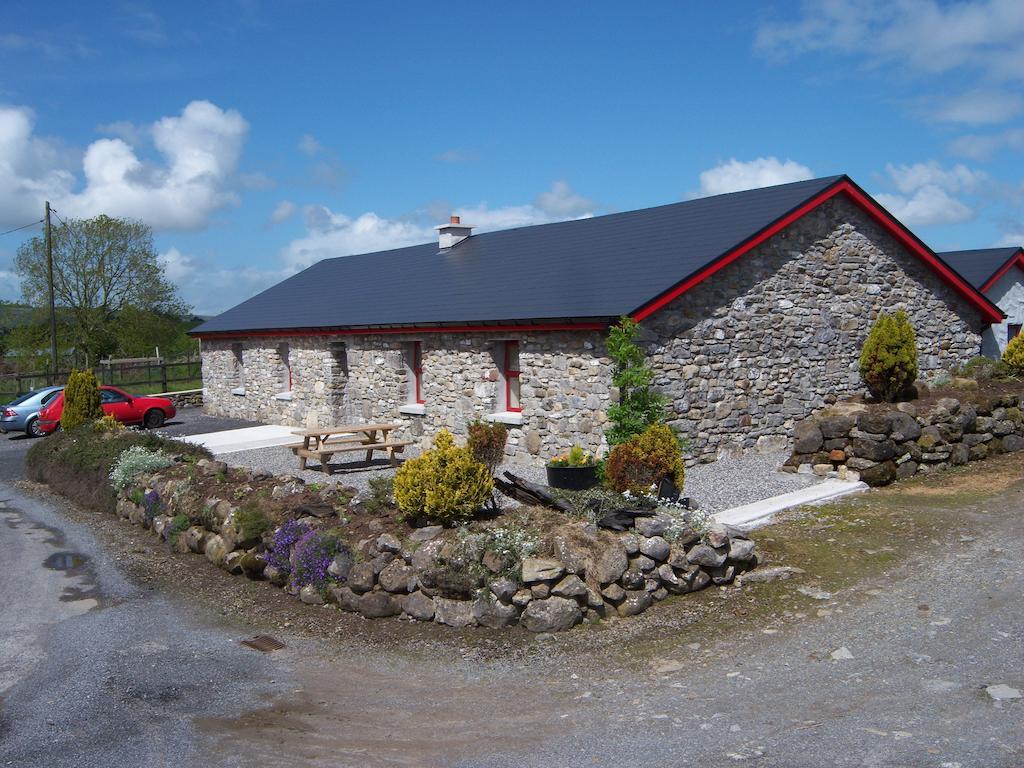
(153, 419)
(33, 429)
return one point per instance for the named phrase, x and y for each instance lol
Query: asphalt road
(96, 670)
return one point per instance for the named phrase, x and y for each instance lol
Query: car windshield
(25, 398)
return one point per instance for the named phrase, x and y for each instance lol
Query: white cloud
(980, 107)
(308, 145)
(1010, 239)
(199, 149)
(735, 176)
(982, 147)
(562, 202)
(282, 212)
(327, 170)
(211, 289)
(927, 193)
(983, 40)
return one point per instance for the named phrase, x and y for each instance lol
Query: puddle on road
(65, 561)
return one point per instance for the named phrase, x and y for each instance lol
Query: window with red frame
(510, 371)
(1012, 331)
(415, 363)
(284, 355)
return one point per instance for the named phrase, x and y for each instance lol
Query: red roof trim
(1016, 260)
(988, 310)
(419, 330)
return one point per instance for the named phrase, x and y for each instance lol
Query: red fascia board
(541, 327)
(1017, 260)
(845, 186)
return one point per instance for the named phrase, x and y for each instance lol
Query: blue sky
(258, 137)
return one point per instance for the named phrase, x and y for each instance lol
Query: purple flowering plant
(285, 538)
(313, 555)
(151, 504)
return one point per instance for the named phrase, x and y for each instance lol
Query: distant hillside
(13, 315)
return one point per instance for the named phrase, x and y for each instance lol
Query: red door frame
(510, 374)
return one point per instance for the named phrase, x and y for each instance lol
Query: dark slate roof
(600, 267)
(979, 265)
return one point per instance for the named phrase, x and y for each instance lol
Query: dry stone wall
(882, 444)
(777, 334)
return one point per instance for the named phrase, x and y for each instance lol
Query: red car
(150, 412)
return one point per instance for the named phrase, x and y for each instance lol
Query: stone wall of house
(564, 379)
(777, 334)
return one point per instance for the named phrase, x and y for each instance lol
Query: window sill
(239, 391)
(412, 409)
(514, 418)
(283, 396)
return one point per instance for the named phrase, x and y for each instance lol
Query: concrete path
(761, 512)
(246, 439)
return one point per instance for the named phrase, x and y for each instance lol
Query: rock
(540, 590)
(418, 606)
(388, 543)
(310, 595)
(253, 565)
(722, 575)
(275, 576)
(655, 525)
(570, 548)
(233, 563)
(814, 593)
(453, 613)
(614, 593)
(630, 543)
(494, 614)
(522, 597)
(879, 474)
(903, 427)
(285, 490)
(554, 614)
(361, 577)
(396, 577)
(541, 569)
(741, 550)
(908, 408)
(874, 450)
(1002, 692)
(672, 582)
(821, 470)
(949, 404)
(770, 444)
(211, 467)
(632, 579)
(637, 601)
(906, 469)
(874, 422)
(341, 565)
(504, 589)
(841, 654)
(702, 554)
(609, 565)
(836, 425)
(378, 605)
(641, 563)
(772, 573)
(655, 548)
(717, 536)
(216, 550)
(1013, 443)
(571, 586)
(594, 599)
(696, 578)
(808, 437)
(426, 533)
(960, 454)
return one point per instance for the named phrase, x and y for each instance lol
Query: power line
(34, 223)
(54, 212)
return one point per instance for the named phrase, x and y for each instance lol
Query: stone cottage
(999, 274)
(753, 307)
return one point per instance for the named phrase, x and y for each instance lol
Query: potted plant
(573, 471)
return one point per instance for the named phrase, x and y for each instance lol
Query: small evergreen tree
(888, 361)
(81, 400)
(1013, 355)
(638, 405)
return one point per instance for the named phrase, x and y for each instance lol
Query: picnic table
(321, 443)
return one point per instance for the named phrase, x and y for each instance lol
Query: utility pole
(53, 311)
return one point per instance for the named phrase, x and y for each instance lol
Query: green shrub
(178, 524)
(1013, 355)
(983, 368)
(251, 522)
(576, 457)
(137, 461)
(107, 424)
(81, 400)
(638, 405)
(646, 460)
(445, 484)
(888, 361)
(487, 443)
(382, 494)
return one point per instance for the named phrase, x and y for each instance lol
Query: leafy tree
(102, 267)
(638, 405)
(81, 400)
(888, 360)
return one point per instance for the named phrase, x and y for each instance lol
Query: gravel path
(714, 487)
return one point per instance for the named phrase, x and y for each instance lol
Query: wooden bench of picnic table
(322, 443)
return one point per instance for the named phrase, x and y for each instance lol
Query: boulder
(426, 533)
(655, 525)
(396, 577)
(418, 606)
(572, 546)
(504, 589)
(950, 404)
(808, 437)
(216, 550)
(341, 565)
(609, 565)
(632, 579)
(880, 474)
(655, 548)
(361, 577)
(874, 422)
(696, 578)
(233, 562)
(717, 536)
(491, 613)
(641, 563)
(1013, 443)
(571, 586)
(453, 613)
(702, 554)
(906, 469)
(672, 582)
(425, 556)
(960, 454)
(873, 450)
(541, 569)
(274, 575)
(211, 467)
(772, 573)
(903, 427)
(253, 565)
(636, 601)
(388, 543)
(522, 597)
(630, 543)
(613, 593)
(741, 551)
(722, 575)
(377, 605)
(554, 614)
(310, 595)
(836, 425)
(540, 590)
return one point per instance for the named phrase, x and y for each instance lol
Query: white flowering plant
(136, 461)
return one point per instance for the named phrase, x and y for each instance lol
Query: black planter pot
(572, 478)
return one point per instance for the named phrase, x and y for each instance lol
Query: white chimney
(452, 233)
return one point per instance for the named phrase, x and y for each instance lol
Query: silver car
(22, 414)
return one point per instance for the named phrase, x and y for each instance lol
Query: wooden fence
(136, 377)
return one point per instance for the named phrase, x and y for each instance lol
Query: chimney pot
(453, 233)
(454, 220)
